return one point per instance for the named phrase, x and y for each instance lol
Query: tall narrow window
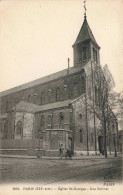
(50, 118)
(42, 120)
(49, 95)
(42, 97)
(84, 56)
(19, 128)
(5, 130)
(61, 117)
(28, 98)
(57, 94)
(35, 98)
(94, 55)
(81, 135)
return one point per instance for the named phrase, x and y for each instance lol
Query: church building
(67, 108)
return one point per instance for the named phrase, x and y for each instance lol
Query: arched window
(81, 135)
(50, 118)
(57, 94)
(61, 117)
(42, 97)
(84, 56)
(19, 128)
(49, 95)
(5, 130)
(113, 129)
(29, 96)
(35, 98)
(94, 55)
(42, 120)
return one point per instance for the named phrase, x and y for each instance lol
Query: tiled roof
(41, 80)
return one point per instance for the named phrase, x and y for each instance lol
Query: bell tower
(85, 47)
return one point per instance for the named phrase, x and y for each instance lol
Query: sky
(36, 37)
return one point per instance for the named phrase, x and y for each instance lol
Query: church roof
(41, 80)
(28, 107)
(85, 34)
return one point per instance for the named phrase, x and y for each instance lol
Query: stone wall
(21, 147)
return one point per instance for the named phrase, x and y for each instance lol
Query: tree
(100, 97)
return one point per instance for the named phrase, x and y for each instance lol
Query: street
(56, 171)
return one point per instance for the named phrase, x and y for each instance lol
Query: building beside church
(68, 107)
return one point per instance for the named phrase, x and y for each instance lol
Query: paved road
(60, 171)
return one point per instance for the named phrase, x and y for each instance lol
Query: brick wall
(69, 87)
(52, 120)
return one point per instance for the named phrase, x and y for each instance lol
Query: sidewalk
(84, 157)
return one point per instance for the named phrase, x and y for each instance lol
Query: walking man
(61, 149)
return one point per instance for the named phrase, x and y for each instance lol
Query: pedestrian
(61, 149)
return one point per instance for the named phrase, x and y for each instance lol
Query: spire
(85, 31)
(85, 47)
(85, 34)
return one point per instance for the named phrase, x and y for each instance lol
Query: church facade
(67, 108)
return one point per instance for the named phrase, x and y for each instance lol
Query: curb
(20, 157)
(57, 158)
